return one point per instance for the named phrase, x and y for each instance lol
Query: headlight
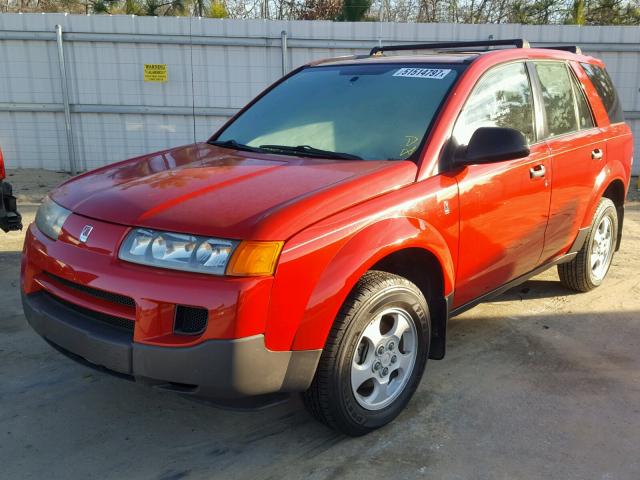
(50, 218)
(177, 251)
(192, 253)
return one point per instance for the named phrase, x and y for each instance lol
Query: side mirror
(495, 144)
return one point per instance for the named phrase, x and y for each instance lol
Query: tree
(577, 13)
(217, 9)
(100, 6)
(132, 7)
(320, 9)
(198, 8)
(158, 7)
(613, 12)
(354, 10)
(537, 12)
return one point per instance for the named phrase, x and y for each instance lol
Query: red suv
(320, 240)
(10, 219)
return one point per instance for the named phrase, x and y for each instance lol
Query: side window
(502, 98)
(585, 119)
(557, 97)
(604, 86)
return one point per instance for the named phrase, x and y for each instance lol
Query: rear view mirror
(495, 144)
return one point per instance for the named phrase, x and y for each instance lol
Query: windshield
(372, 112)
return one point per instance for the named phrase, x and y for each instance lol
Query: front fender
(354, 259)
(320, 265)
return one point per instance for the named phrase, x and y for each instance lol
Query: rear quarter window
(604, 86)
(557, 96)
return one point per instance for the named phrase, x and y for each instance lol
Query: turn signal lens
(254, 259)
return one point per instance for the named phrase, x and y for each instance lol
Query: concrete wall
(214, 68)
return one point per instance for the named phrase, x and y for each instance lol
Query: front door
(503, 206)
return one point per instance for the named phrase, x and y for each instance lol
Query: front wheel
(374, 357)
(588, 269)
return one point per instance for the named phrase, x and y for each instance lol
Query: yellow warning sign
(155, 72)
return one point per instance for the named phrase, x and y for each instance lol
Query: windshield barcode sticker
(435, 73)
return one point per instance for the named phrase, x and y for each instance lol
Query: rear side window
(604, 86)
(557, 96)
(502, 98)
(585, 119)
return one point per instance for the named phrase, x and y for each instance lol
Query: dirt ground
(539, 384)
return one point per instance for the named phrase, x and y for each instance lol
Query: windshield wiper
(309, 151)
(235, 145)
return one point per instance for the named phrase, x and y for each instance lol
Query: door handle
(597, 154)
(537, 172)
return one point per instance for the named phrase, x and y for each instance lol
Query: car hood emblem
(84, 234)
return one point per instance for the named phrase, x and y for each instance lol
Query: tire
(580, 274)
(379, 301)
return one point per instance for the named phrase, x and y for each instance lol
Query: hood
(206, 190)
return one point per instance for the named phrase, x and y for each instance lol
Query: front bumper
(218, 369)
(10, 219)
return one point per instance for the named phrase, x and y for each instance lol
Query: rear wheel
(374, 357)
(590, 266)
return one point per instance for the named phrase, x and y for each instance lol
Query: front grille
(190, 320)
(94, 292)
(117, 322)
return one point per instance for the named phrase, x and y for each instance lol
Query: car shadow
(535, 289)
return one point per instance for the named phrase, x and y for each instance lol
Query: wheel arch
(421, 267)
(616, 192)
(613, 189)
(392, 245)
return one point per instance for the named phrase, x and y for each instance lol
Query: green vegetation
(533, 12)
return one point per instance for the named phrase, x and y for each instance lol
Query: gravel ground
(634, 191)
(539, 384)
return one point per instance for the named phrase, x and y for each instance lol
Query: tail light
(3, 174)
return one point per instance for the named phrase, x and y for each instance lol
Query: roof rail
(515, 42)
(566, 48)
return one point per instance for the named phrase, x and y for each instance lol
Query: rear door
(611, 120)
(578, 151)
(504, 205)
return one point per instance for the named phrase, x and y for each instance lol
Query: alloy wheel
(601, 248)
(384, 359)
